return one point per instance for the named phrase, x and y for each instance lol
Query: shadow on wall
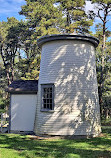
(76, 92)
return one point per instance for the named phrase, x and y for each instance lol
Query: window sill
(46, 110)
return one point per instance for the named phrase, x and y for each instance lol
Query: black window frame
(43, 86)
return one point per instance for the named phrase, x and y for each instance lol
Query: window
(47, 92)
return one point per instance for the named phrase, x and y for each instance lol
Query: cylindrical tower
(67, 90)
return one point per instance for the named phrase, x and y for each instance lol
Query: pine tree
(103, 12)
(74, 17)
(42, 16)
(57, 16)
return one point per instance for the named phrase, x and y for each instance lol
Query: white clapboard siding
(70, 65)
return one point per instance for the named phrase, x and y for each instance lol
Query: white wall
(23, 109)
(70, 65)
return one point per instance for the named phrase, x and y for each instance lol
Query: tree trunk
(8, 77)
(102, 59)
(68, 22)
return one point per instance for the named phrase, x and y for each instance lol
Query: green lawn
(19, 146)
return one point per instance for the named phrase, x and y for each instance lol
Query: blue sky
(9, 8)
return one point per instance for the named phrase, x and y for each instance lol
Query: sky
(9, 8)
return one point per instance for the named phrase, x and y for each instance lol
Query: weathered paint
(22, 113)
(70, 65)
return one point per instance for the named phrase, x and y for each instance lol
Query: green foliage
(42, 16)
(8, 46)
(3, 103)
(28, 47)
(16, 39)
(106, 122)
(53, 17)
(106, 75)
(103, 56)
(33, 68)
(106, 80)
(102, 1)
(74, 16)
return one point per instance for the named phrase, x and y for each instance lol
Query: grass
(22, 146)
(106, 122)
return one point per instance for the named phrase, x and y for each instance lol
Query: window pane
(50, 95)
(47, 100)
(47, 106)
(51, 107)
(50, 100)
(48, 90)
(45, 89)
(44, 105)
(47, 96)
(44, 101)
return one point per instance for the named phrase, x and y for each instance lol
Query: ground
(25, 146)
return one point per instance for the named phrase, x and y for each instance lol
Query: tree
(42, 16)
(28, 53)
(19, 54)
(74, 17)
(8, 46)
(3, 100)
(8, 51)
(56, 16)
(103, 12)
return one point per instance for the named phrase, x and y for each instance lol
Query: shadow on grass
(107, 130)
(58, 148)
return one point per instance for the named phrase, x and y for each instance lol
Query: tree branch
(100, 16)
